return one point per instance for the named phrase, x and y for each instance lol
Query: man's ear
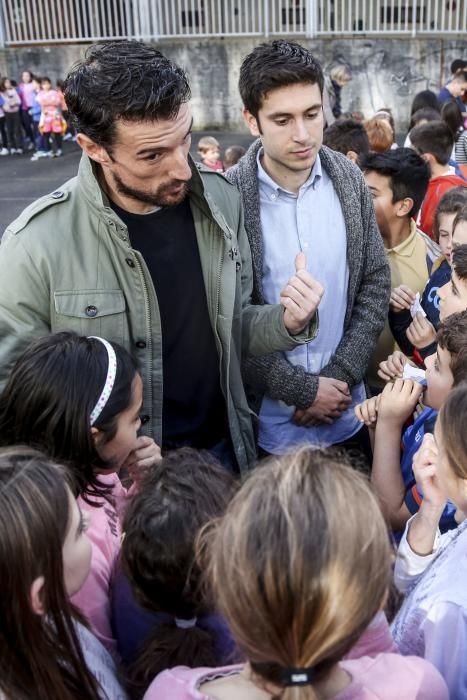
(95, 152)
(403, 206)
(251, 122)
(351, 155)
(35, 595)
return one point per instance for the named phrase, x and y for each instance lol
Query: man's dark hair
(347, 135)
(458, 64)
(408, 174)
(434, 138)
(125, 80)
(275, 65)
(459, 261)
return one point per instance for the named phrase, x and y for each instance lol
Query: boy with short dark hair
(434, 142)
(349, 137)
(398, 180)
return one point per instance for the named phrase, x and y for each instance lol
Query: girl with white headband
(78, 399)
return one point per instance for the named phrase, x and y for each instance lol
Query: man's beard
(160, 198)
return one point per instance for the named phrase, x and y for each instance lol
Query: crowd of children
(128, 574)
(33, 117)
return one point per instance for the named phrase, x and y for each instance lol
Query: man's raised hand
(300, 297)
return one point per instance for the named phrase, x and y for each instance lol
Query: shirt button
(144, 419)
(130, 262)
(90, 311)
(274, 196)
(140, 344)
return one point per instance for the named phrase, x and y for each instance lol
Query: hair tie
(109, 380)
(185, 624)
(298, 676)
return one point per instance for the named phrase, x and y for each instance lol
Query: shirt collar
(313, 179)
(406, 248)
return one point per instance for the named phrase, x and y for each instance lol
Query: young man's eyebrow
(277, 115)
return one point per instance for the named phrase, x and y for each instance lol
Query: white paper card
(416, 306)
(415, 373)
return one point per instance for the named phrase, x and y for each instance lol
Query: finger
(343, 387)
(146, 463)
(303, 281)
(300, 311)
(383, 372)
(300, 262)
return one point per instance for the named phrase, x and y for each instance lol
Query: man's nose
(179, 166)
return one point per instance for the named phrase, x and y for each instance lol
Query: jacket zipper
(148, 389)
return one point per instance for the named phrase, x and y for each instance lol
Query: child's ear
(35, 595)
(251, 122)
(96, 435)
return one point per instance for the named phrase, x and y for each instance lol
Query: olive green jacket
(66, 263)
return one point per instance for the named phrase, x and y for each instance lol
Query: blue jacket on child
(411, 441)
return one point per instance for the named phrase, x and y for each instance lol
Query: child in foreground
(177, 624)
(432, 568)
(78, 399)
(297, 589)
(46, 651)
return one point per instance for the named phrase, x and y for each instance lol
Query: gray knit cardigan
(368, 290)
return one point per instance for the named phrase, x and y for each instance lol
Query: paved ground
(21, 182)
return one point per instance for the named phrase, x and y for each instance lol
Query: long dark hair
(451, 114)
(50, 394)
(40, 655)
(186, 490)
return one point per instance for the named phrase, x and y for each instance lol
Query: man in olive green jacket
(68, 263)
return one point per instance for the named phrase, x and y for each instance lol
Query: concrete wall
(387, 72)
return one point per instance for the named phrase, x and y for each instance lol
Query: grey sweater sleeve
(275, 376)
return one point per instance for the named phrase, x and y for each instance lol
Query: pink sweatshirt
(385, 677)
(105, 533)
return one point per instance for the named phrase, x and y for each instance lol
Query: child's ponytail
(184, 492)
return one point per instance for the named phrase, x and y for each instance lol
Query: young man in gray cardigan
(300, 196)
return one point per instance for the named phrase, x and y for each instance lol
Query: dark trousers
(3, 137)
(26, 120)
(46, 141)
(13, 130)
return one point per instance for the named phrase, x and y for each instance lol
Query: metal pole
(2, 27)
(312, 18)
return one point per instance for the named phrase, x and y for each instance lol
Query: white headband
(109, 381)
(185, 624)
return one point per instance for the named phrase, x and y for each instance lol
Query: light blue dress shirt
(310, 221)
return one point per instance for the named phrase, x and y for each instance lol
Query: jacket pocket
(99, 312)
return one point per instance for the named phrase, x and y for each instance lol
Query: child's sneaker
(3, 151)
(58, 153)
(38, 155)
(19, 151)
(68, 136)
